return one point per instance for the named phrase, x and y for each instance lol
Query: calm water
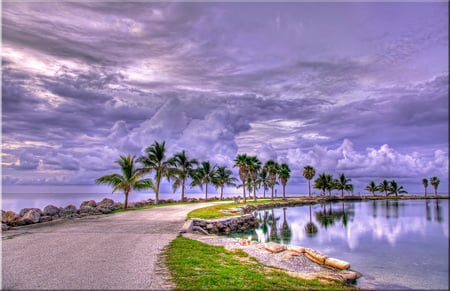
(394, 244)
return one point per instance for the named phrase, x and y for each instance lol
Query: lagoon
(395, 244)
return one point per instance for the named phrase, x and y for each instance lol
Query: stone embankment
(223, 226)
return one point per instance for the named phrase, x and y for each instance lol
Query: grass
(195, 265)
(215, 211)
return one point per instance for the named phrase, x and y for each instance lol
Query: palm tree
(343, 184)
(284, 174)
(309, 172)
(223, 178)
(321, 182)
(241, 161)
(384, 187)
(254, 165)
(203, 176)
(272, 170)
(372, 187)
(128, 180)
(264, 180)
(183, 167)
(434, 181)
(425, 185)
(155, 161)
(395, 189)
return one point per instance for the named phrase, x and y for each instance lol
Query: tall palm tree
(395, 189)
(309, 172)
(372, 187)
(254, 165)
(425, 185)
(384, 187)
(128, 180)
(434, 181)
(264, 180)
(155, 161)
(182, 168)
(284, 174)
(203, 176)
(343, 184)
(223, 178)
(272, 170)
(241, 161)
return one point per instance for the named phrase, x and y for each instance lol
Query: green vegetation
(130, 178)
(434, 181)
(198, 266)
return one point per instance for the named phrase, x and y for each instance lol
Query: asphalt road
(119, 251)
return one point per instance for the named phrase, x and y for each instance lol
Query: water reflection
(392, 233)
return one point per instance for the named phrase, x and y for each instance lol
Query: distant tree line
(253, 175)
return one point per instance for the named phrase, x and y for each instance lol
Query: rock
(139, 204)
(338, 264)
(45, 219)
(106, 203)
(274, 248)
(104, 210)
(209, 226)
(31, 216)
(299, 250)
(85, 209)
(9, 217)
(90, 203)
(52, 210)
(69, 209)
(315, 256)
(4, 227)
(25, 210)
(289, 254)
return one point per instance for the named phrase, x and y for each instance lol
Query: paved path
(117, 251)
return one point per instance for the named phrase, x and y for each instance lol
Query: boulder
(297, 249)
(84, 209)
(25, 210)
(315, 256)
(106, 203)
(52, 210)
(31, 216)
(338, 264)
(9, 217)
(274, 248)
(90, 203)
(104, 210)
(4, 227)
(69, 209)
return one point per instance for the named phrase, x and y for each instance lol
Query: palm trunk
(158, 181)
(342, 195)
(206, 192)
(245, 198)
(435, 191)
(284, 191)
(221, 193)
(272, 192)
(182, 190)
(264, 191)
(254, 192)
(309, 187)
(126, 199)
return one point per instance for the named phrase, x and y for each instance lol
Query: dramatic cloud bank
(359, 88)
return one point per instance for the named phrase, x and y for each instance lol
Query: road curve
(118, 251)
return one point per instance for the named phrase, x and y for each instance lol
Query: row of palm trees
(434, 181)
(182, 169)
(386, 187)
(255, 175)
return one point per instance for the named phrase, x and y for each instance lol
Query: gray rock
(52, 210)
(31, 216)
(86, 209)
(106, 203)
(25, 210)
(69, 209)
(104, 210)
(4, 227)
(91, 203)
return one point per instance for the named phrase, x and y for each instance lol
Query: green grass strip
(198, 266)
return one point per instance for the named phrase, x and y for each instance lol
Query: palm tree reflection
(286, 232)
(310, 228)
(437, 212)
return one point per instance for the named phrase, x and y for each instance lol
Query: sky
(350, 87)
